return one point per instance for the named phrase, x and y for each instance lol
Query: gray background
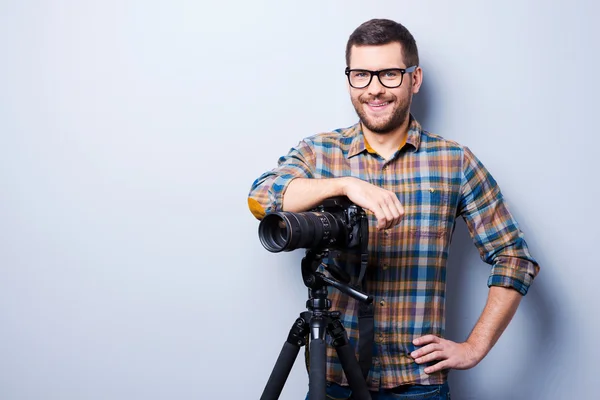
(130, 132)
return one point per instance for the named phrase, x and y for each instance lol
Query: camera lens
(274, 233)
(287, 231)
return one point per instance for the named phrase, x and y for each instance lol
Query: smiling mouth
(378, 107)
(379, 104)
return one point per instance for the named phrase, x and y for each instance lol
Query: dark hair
(377, 32)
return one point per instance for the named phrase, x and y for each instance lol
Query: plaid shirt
(436, 180)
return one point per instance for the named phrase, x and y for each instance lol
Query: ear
(417, 80)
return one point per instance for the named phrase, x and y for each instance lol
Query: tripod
(318, 320)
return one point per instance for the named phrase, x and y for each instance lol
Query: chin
(381, 128)
(376, 123)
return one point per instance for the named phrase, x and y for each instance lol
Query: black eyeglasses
(390, 78)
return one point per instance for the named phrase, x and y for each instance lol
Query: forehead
(377, 57)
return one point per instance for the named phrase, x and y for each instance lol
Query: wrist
(477, 350)
(343, 184)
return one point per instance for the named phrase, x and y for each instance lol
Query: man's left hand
(451, 354)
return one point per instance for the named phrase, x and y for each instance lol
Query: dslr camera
(336, 224)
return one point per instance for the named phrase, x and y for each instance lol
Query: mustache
(375, 98)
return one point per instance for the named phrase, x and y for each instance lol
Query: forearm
(303, 194)
(499, 310)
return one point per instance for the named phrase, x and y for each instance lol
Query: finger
(389, 216)
(437, 367)
(380, 216)
(395, 213)
(420, 341)
(397, 219)
(396, 204)
(400, 208)
(426, 350)
(436, 355)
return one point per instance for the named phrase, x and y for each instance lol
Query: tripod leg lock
(297, 335)
(337, 332)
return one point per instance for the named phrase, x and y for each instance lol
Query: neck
(386, 144)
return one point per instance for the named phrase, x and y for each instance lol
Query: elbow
(256, 208)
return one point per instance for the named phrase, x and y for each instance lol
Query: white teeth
(379, 105)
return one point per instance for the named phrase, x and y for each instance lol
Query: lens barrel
(287, 231)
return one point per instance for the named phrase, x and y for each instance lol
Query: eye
(391, 74)
(360, 74)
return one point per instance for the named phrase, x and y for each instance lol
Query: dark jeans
(409, 392)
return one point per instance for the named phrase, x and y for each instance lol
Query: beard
(383, 124)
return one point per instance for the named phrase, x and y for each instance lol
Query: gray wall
(130, 132)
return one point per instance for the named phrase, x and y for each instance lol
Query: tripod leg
(348, 360)
(285, 361)
(317, 383)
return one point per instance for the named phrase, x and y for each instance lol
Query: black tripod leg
(317, 382)
(348, 360)
(286, 359)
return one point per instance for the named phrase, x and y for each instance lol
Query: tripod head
(317, 282)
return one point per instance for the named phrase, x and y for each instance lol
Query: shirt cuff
(516, 277)
(277, 190)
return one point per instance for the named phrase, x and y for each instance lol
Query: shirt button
(382, 303)
(385, 266)
(386, 232)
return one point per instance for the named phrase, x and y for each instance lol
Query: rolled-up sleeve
(494, 230)
(266, 193)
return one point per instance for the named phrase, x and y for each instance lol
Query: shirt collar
(360, 144)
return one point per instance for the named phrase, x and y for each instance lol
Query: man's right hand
(303, 194)
(383, 203)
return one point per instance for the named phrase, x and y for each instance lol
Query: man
(414, 185)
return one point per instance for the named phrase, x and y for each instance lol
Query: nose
(375, 87)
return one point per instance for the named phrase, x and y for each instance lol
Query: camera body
(336, 224)
(350, 218)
